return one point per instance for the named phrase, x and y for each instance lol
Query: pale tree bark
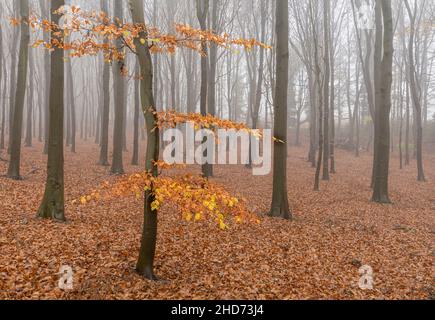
(202, 8)
(383, 106)
(326, 88)
(414, 92)
(280, 206)
(255, 113)
(46, 12)
(145, 263)
(104, 148)
(135, 159)
(15, 160)
(53, 203)
(3, 90)
(13, 77)
(119, 89)
(72, 105)
(366, 62)
(30, 101)
(320, 92)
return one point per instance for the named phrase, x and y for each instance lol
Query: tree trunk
(14, 164)
(72, 106)
(119, 87)
(383, 106)
(46, 12)
(202, 8)
(135, 159)
(53, 204)
(414, 93)
(30, 102)
(313, 119)
(280, 206)
(104, 149)
(326, 90)
(145, 263)
(13, 77)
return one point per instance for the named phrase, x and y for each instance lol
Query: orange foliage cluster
(84, 33)
(195, 197)
(170, 119)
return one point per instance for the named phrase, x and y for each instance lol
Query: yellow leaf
(155, 205)
(222, 225)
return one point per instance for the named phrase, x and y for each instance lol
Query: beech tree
(17, 124)
(384, 29)
(412, 13)
(119, 99)
(280, 206)
(202, 8)
(53, 203)
(104, 144)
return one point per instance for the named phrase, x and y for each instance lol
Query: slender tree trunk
(211, 91)
(313, 119)
(407, 126)
(104, 149)
(3, 122)
(383, 106)
(332, 101)
(30, 102)
(53, 204)
(46, 7)
(145, 263)
(326, 90)
(72, 106)
(2, 94)
(119, 84)
(202, 11)
(135, 160)
(280, 206)
(15, 161)
(414, 93)
(13, 77)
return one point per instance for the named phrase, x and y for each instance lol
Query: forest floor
(315, 256)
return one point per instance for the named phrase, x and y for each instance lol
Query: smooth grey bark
(135, 159)
(3, 100)
(30, 101)
(53, 203)
(320, 91)
(280, 206)
(46, 7)
(72, 106)
(202, 8)
(326, 89)
(104, 143)
(145, 263)
(255, 113)
(414, 93)
(119, 87)
(383, 106)
(15, 145)
(13, 77)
